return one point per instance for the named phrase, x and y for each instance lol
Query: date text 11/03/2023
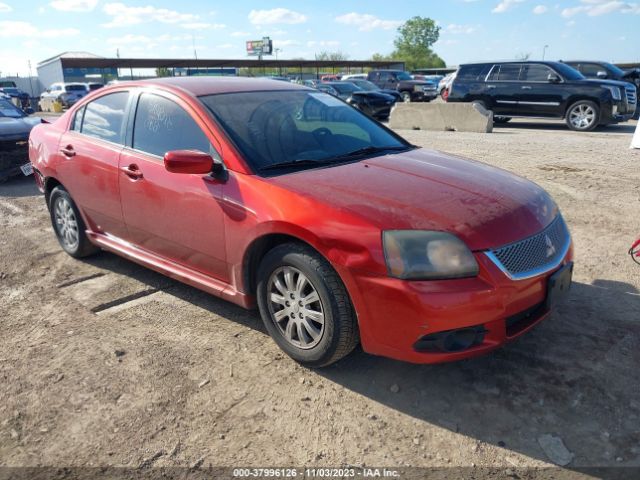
(315, 473)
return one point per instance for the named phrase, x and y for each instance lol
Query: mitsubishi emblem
(551, 249)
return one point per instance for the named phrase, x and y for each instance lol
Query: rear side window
(472, 72)
(535, 73)
(508, 72)
(104, 117)
(161, 126)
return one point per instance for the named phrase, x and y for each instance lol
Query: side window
(104, 117)
(535, 73)
(591, 69)
(77, 120)
(509, 72)
(385, 77)
(161, 126)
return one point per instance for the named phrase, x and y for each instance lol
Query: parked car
(311, 83)
(330, 78)
(66, 93)
(353, 76)
(91, 86)
(276, 195)
(544, 89)
(605, 70)
(410, 89)
(368, 86)
(22, 97)
(374, 104)
(444, 84)
(15, 126)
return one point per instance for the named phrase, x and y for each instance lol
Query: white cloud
(124, 16)
(240, 34)
(286, 43)
(540, 9)
(595, 8)
(74, 5)
(323, 43)
(505, 5)
(203, 26)
(4, 8)
(10, 29)
(366, 22)
(457, 29)
(130, 39)
(275, 16)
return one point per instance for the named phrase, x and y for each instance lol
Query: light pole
(544, 50)
(277, 50)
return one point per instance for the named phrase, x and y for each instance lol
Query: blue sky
(471, 29)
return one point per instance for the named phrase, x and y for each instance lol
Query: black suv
(410, 89)
(544, 89)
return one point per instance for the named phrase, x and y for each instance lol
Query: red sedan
(272, 194)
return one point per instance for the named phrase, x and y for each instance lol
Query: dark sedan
(372, 87)
(15, 126)
(374, 104)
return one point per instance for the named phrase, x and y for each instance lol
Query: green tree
(163, 72)
(414, 41)
(332, 56)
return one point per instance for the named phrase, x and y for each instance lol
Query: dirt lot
(174, 377)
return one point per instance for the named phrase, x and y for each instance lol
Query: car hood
(374, 95)
(601, 81)
(15, 128)
(428, 190)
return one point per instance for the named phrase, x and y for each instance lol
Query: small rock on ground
(555, 449)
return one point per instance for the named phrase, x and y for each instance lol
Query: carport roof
(84, 62)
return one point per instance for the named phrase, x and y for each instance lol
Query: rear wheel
(406, 97)
(501, 120)
(305, 306)
(68, 224)
(583, 116)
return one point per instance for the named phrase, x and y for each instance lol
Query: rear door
(176, 216)
(90, 150)
(502, 85)
(539, 96)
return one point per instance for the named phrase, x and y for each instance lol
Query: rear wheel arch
(49, 184)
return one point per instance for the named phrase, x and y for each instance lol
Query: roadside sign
(259, 47)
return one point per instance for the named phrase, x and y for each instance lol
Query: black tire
(340, 333)
(406, 97)
(60, 199)
(501, 120)
(589, 124)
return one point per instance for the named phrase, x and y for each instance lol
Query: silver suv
(66, 93)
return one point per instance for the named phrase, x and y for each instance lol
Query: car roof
(501, 62)
(199, 86)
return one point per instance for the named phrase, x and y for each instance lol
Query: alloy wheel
(582, 116)
(66, 223)
(295, 307)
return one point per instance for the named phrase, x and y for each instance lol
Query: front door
(90, 152)
(176, 216)
(539, 96)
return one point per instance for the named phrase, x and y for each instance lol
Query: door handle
(491, 86)
(68, 151)
(526, 87)
(132, 171)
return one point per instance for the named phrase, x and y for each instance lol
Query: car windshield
(367, 85)
(615, 69)
(345, 87)
(569, 73)
(8, 109)
(73, 88)
(404, 76)
(298, 129)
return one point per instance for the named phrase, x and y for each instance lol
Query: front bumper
(394, 314)
(13, 154)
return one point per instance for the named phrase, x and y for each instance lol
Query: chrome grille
(632, 96)
(536, 254)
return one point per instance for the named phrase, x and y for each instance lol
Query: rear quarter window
(473, 72)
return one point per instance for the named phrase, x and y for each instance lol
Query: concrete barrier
(460, 117)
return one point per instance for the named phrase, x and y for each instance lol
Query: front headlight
(615, 91)
(427, 255)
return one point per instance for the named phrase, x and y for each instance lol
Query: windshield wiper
(371, 150)
(340, 158)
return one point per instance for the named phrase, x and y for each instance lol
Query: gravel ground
(174, 377)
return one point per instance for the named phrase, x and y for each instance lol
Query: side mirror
(602, 74)
(188, 161)
(553, 78)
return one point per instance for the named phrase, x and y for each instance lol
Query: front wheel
(406, 97)
(501, 120)
(583, 116)
(305, 306)
(68, 224)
